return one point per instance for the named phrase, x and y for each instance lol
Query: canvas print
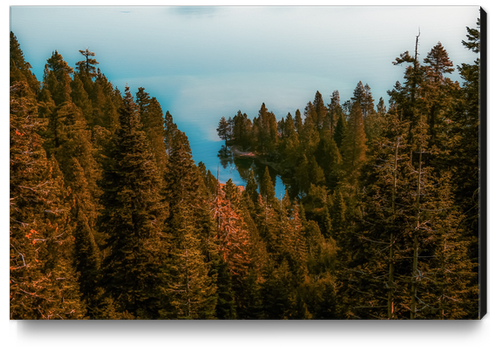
(244, 163)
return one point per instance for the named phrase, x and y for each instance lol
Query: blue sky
(206, 62)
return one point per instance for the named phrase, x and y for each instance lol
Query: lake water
(206, 150)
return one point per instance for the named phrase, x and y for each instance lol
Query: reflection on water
(242, 165)
(232, 167)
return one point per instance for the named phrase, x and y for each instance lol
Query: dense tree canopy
(111, 218)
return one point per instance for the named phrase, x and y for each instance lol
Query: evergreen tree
(353, 150)
(251, 188)
(320, 109)
(224, 130)
(298, 121)
(151, 117)
(87, 66)
(267, 188)
(190, 285)
(334, 113)
(20, 70)
(190, 291)
(43, 283)
(133, 217)
(466, 132)
(339, 131)
(225, 305)
(81, 99)
(87, 255)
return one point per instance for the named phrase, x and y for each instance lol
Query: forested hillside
(111, 218)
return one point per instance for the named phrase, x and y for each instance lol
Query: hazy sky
(206, 62)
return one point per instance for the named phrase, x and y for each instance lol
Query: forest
(111, 218)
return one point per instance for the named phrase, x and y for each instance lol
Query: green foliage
(20, 70)
(224, 130)
(267, 188)
(133, 217)
(43, 282)
(110, 217)
(353, 150)
(151, 117)
(190, 291)
(87, 66)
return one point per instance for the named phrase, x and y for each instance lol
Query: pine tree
(189, 283)
(265, 126)
(20, 70)
(87, 66)
(377, 237)
(232, 235)
(353, 150)
(466, 130)
(225, 305)
(329, 158)
(320, 109)
(133, 217)
(277, 303)
(339, 131)
(252, 187)
(81, 99)
(224, 130)
(151, 117)
(43, 283)
(334, 113)
(289, 143)
(87, 256)
(189, 289)
(298, 121)
(267, 189)
(58, 78)
(309, 136)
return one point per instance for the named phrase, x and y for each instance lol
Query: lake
(206, 150)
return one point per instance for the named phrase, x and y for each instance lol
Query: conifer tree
(43, 283)
(151, 117)
(190, 285)
(87, 66)
(232, 236)
(224, 130)
(267, 189)
(298, 121)
(133, 217)
(309, 136)
(466, 132)
(339, 131)
(58, 78)
(277, 303)
(190, 291)
(329, 158)
(334, 113)
(353, 150)
(252, 187)
(20, 70)
(81, 99)
(87, 256)
(225, 305)
(320, 109)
